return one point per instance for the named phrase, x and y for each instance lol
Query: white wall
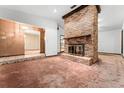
(60, 32)
(123, 39)
(123, 42)
(49, 26)
(109, 41)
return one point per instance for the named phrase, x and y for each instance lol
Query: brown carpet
(59, 72)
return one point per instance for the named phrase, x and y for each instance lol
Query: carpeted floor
(59, 72)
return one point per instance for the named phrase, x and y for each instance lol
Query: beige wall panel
(11, 39)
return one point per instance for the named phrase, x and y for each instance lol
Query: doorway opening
(33, 39)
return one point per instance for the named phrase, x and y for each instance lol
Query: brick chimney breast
(81, 28)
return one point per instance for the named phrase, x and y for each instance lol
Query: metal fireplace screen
(75, 49)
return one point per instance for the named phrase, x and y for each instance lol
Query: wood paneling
(42, 40)
(11, 39)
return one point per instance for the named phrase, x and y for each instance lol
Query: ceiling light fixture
(55, 10)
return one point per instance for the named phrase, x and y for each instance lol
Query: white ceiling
(46, 11)
(111, 16)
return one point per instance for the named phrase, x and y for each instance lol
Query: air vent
(73, 6)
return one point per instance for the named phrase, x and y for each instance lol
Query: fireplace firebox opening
(76, 49)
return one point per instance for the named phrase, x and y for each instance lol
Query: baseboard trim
(109, 53)
(51, 55)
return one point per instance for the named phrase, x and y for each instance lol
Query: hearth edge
(79, 59)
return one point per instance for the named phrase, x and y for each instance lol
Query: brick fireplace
(81, 34)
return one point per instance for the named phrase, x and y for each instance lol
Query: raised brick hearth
(81, 28)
